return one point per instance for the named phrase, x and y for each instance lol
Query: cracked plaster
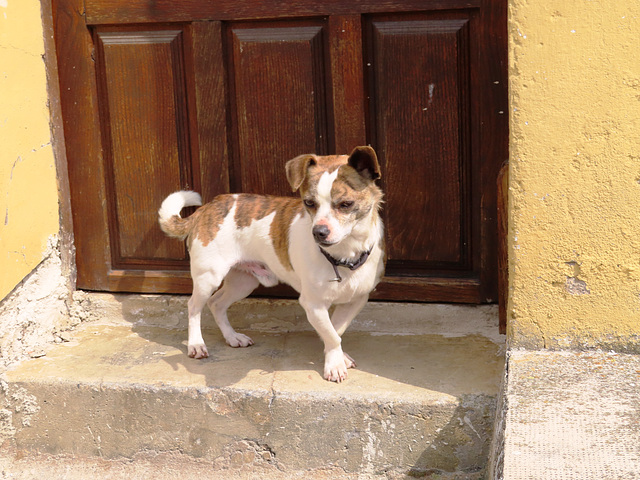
(28, 183)
(574, 189)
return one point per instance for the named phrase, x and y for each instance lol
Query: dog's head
(338, 191)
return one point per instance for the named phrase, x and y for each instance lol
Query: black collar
(351, 265)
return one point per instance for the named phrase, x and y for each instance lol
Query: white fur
(325, 184)
(174, 203)
(235, 252)
(324, 214)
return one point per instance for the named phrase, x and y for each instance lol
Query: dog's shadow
(254, 367)
(287, 353)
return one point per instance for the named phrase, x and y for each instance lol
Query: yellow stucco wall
(28, 187)
(575, 173)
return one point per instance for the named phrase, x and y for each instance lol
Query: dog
(328, 244)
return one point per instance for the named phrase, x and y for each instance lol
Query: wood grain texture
(346, 83)
(280, 101)
(145, 136)
(420, 110)
(210, 95)
(428, 289)
(141, 11)
(79, 105)
(492, 140)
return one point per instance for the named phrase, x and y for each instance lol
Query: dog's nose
(320, 233)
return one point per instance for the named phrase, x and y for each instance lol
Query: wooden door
(216, 96)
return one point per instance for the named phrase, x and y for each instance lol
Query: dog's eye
(346, 205)
(309, 203)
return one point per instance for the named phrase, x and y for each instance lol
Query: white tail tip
(175, 202)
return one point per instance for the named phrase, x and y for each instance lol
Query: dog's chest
(318, 278)
(354, 283)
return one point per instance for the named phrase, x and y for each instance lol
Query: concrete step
(569, 415)
(421, 402)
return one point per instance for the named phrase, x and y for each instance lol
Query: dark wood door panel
(419, 78)
(145, 137)
(216, 96)
(278, 98)
(208, 119)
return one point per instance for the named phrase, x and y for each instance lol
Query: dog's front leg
(342, 317)
(335, 362)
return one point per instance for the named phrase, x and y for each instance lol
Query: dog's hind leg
(203, 286)
(237, 285)
(344, 313)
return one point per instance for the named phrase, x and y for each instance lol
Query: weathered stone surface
(417, 404)
(569, 415)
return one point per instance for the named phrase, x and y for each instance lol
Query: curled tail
(169, 214)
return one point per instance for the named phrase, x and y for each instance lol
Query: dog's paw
(349, 362)
(336, 364)
(238, 340)
(198, 351)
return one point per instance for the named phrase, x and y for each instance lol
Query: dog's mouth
(325, 244)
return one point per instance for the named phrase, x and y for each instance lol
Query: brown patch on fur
(287, 210)
(252, 207)
(351, 185)
(255, 207)
(342, 192)
(301, 174)
(207, 219)
(330, 162)
(176, 226)
(349, 176)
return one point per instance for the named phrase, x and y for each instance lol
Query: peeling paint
(36, 310)
(575, 286)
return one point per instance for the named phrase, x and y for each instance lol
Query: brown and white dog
(328, 245)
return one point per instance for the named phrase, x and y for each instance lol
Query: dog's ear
(297, 169)
(365, 161)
